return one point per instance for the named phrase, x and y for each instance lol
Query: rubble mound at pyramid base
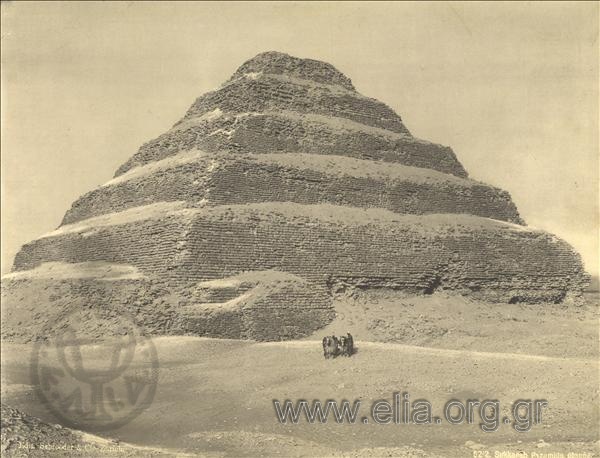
(23, 435)
(267, 305)
(94, 305)
(43, 439)
(94, 298)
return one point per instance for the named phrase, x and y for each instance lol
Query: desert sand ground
(215, 396)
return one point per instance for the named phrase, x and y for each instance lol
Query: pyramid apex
(276, 62)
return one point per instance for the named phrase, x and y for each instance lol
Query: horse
(330, 347)
(346, 345)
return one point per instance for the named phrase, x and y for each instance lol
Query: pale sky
(511, 87)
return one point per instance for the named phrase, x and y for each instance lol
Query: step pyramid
(287, 185)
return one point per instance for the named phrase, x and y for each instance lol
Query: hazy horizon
(512, 88)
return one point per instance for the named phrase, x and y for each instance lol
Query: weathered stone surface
(326, 244)
(285, 184)
(259, 93)
(292, 132)
(254, 305)
(276, 63)
(217, 179)
(266, 305)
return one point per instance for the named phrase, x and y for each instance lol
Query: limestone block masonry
(281, 186)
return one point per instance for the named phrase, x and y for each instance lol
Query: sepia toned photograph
(300, 229)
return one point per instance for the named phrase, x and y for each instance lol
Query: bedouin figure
(343, 345)
(350, 345)
(325, 342)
